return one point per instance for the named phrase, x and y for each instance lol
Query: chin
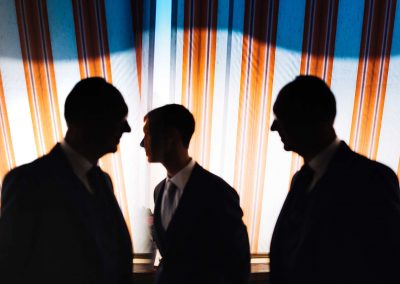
(112, 150)
(151, 160)
(287, 147)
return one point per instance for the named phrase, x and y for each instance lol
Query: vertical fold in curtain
(39, 73)
(398, 170)
(318, 47)
(223, 63)
(94, 60)
(7, 159)
(143, 17)
(257, 71)
(372, 76)
(137, 17)
(199, 42)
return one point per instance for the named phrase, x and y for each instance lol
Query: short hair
(94, 99)
(172, 116)
(306, 99)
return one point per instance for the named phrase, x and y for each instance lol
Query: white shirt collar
(181, 178)
(80, 165)
(321, 161)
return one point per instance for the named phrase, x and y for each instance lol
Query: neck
(83, 149)
(173, 166)
(317, 147)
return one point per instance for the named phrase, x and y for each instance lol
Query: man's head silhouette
(305, 111)
(95, 112)
(167, 132)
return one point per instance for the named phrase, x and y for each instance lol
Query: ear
(174, 137)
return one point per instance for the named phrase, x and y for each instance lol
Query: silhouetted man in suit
(197, 217)
(60, 221)
(340, 222)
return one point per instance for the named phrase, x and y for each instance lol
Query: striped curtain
(225, 60)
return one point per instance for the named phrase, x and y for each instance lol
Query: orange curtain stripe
(318, 51)
(7, 159)
(186, 60)
(254, 109)
(210, 80)
(94, 60)
(202, 76)
(398, 170)
(91, 36)
(318, 47)
(372, 76)
(39, 73)
(137, 14)
(197, 72)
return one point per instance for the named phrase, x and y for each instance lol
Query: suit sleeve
(17, 223)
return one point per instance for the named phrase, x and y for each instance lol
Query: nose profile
(127, 127)
(273, 125)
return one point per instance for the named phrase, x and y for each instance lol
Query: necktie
(300, 186)
(96, 180)
(296, 221)
(303, 179)
(104, 224)
(169, 205)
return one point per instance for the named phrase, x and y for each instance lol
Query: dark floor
(144, 274)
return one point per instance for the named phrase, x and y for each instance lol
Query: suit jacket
(351, 231)
(48, 232)
(206, 240)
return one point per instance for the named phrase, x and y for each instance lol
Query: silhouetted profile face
(96, 113)
(165, 129)
(153, 141)
(106, 135)
(304, 109)
(291, 133)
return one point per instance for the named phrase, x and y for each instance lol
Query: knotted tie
(96, 180)
(303, 179)
(169, 205)
(297, 213)
(295, 223)
(300, 187)
(104, 224)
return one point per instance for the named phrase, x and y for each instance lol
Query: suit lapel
(71, 187)
(283, 215)
(323, 189)
(184, 210)
(160, 232)
(337, 167)
(119, 217)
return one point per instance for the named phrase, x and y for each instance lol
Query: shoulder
(208, 177)
(372, 169)
(220, 198)
(158, 188)
(28, 175)
(20, 182)
(381, 178)
(215, 185)
(350, 161)
(367, 177)
(25, 171)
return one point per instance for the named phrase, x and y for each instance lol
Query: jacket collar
(166, 237)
